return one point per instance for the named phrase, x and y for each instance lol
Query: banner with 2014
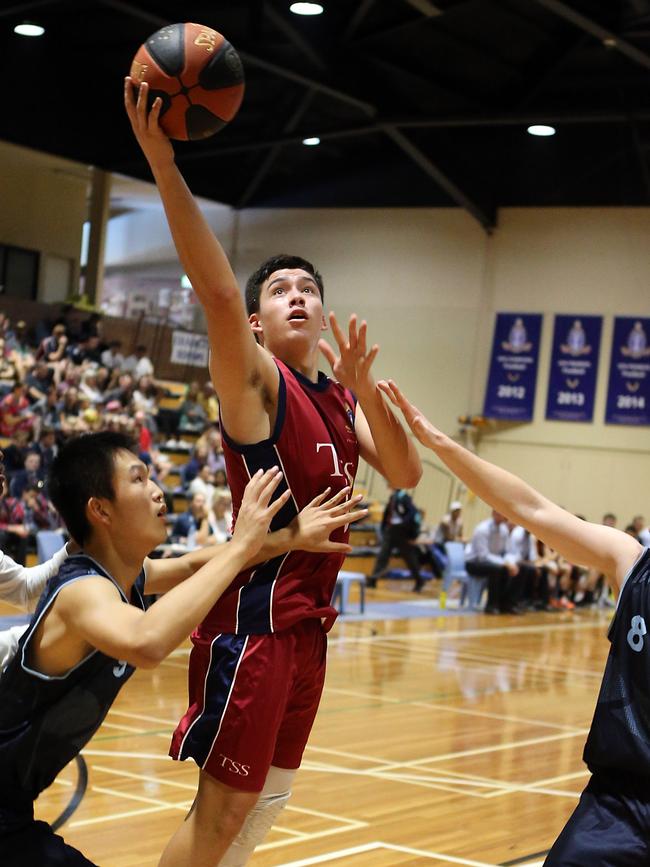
(628, 393)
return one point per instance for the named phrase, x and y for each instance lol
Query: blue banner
(628, 395)
(510, 391)
(574, 368)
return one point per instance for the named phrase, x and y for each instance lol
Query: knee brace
(271, 802)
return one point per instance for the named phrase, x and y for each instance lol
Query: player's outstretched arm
(237, 363)
(92, 608)
(309, 531)
(603, 548)
(383, 443)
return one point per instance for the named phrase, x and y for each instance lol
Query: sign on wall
(510, 393)
(189, 348)
(574, 368)
(628, 394)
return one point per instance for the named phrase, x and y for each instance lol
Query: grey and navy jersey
(619, 738)
(46, 720)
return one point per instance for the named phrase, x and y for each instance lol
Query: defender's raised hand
(318, 520)
(352, 367)
(425, 432)
(255, 514)
(155, 145)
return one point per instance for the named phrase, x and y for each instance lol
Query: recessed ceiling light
(314, 140)
(541, 129)
(27, 29)
(306, 8)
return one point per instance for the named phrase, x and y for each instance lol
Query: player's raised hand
(155, 145)
(256, 511)
(426, 433)
(314, 525)
(352, 367)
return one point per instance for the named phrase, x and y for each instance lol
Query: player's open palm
(352, 367)
(318, 520)
(155, 145)
(426, 433)
(256, 511)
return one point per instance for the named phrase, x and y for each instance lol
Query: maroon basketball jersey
(315, 446)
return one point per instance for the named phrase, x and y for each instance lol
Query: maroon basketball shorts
(252, 702)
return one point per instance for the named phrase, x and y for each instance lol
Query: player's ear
(256, 327)
(96, 512)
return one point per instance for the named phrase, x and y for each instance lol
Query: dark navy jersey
(46, 720)
(619, 738)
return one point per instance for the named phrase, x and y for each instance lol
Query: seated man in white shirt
(485, 557)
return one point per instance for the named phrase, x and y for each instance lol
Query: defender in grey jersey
(610, 827)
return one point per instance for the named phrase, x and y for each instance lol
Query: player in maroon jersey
(258, 663)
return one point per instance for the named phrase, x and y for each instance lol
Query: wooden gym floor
(453, 740)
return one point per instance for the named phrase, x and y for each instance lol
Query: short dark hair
(276, 263)
(83, 469)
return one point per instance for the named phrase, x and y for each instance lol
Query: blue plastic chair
(48, 542)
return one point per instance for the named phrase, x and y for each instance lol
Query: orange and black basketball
(197, 74)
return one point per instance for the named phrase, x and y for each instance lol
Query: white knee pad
(272, 799)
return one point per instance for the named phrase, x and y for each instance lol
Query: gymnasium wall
(429, 281)
(43, 208)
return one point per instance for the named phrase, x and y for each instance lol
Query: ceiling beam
(306, 49)
(438, 176)
(362, 10)
(425, 7)
(27, 7)
(252, 60)
(607, 37)
(274, 152)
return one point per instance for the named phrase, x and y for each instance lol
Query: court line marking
(377, 845)
(98, 820)
(449, 709)
(142, 798)
(468, 633)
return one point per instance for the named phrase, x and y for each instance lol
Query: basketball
(197, 74)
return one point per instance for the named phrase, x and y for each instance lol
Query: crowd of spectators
(61, 379)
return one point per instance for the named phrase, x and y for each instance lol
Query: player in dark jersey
(610, 827)
(257, 668)
(90, 629)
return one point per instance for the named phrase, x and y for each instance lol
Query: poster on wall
(628, 394)
(510, 393)
(189, 348)
(574, 368)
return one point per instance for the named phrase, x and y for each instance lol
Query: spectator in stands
(89, 387)
(20, 520)
(15, 413)
(609, 519)
(21, 347)
(203, 483)
(639, 526)
(193, 417)
(122, 394)
(138, 364)
(69, 411)
(485, 557)
(39, 381)
(400, 526)
(221, 483)
(112, 357)
(209, 401)
(46, 447)
(210, 442)
(31, 476)
(15, 453)
(8, 372)
(52, 351)
(50, 416)
(220, 518)
(449, 529)
(193, 523)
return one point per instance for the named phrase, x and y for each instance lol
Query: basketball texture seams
(198, 75)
